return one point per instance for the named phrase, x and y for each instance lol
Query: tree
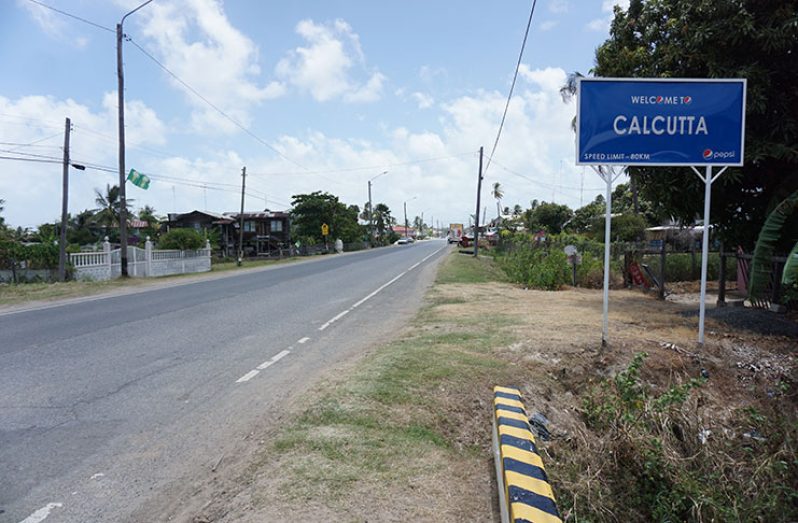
(310, 211)
(147, 214)
(585, 216)
(107, 213)
(383, 222)
(181, 239)
(549, 216)
(418, 225)
(3, 227)
(753, 39)
(80, 230)
(498, 193)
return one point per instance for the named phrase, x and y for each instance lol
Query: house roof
(262, 215)
(229, 217)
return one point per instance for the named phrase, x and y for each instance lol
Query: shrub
(678, 266)
(590, 273)
(536, 267)
(659, 462)
(181, 239)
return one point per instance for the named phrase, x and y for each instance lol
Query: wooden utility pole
(371, 219)
(120, 90)
(476, 216)
(64, 205)
(241, 216)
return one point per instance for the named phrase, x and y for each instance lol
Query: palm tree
(107, 213)
(498, 193)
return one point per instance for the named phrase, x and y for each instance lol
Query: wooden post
(722, 278)
(64, 205)
(241, 217)
(476, 216)
(662, 255)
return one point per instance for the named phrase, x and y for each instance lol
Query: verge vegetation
(647, 430)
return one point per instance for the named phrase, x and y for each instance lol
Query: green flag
(138, 179)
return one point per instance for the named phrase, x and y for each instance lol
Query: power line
(543, 184)
(110, 138)
(35, 160)
(212, 105)
(512, 87)
(51, 8)
(365, 168)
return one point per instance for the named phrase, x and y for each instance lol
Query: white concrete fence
(141, 263)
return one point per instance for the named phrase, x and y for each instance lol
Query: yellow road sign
(325, 229)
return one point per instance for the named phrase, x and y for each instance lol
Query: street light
(120, 73)
(371, 209)
(405, 206)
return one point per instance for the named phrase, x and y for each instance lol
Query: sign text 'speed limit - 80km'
(629, 121)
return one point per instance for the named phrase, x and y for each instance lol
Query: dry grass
(406, 435)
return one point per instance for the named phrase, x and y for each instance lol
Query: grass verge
(401, 421)
(669, 435)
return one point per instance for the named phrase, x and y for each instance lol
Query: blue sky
(344, 90)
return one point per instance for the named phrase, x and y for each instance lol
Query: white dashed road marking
(277, 357)
(248, 376)
(41, 514)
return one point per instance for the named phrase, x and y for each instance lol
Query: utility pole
(371, 218)
(64, 205)
(120, 73)
(120, 89)
(371, 209)
(241, 216)
(407, 233)
(476, 216)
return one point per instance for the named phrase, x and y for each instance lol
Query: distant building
(266, 233)
(409, 232)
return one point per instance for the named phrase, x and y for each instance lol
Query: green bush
(678, 266)
(590, 273)
(536, 267)
(181, 239)
(37, 256)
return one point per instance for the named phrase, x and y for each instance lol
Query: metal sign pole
(708, 180)
(607, 246)
(608, 174)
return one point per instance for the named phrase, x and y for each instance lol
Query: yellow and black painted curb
(525, 495)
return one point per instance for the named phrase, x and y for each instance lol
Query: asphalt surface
(109, 404)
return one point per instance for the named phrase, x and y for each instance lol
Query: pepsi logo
(659, 99)
(687, 99)
(707, 154)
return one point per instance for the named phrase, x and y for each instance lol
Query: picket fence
(141, 263)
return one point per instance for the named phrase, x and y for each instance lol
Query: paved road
(107, 404)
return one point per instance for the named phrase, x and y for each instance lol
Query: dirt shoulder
(405, 435)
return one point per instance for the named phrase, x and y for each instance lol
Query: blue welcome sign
(659, 122)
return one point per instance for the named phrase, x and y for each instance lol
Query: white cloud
(197, 42)
(548, 25)
(45, 18)
(424, 100)
(429, 73)
(40, 119)
(607, 6)
(326, 66)
(559, 6)
(536, 141)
